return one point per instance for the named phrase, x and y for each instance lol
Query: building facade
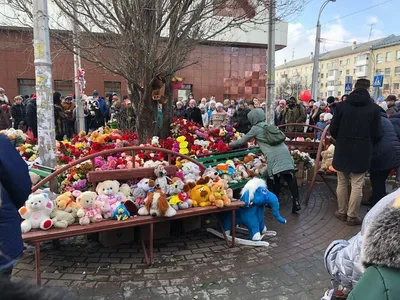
(227, 69)
(378, 57)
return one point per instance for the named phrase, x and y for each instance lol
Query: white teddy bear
(36, 213)
(88, 211)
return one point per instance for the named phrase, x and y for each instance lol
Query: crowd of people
(22, 112)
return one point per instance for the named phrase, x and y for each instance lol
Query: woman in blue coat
(15, 187)
(385, 158)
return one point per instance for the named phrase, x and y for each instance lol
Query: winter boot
(296, 206)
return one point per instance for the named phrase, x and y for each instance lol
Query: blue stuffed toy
(256, 196)
(121, 213)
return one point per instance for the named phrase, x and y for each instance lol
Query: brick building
(226, 69)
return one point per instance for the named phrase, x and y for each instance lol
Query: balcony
(363, 60)
(362, 72)
(332, 88)
(333, 75)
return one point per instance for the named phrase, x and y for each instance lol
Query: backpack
(273, 135)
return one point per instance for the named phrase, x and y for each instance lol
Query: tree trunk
(167, 109)
(146, 116)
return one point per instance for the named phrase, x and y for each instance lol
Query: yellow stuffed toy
(218, 196)
(327, 158)
(200, 192)
(65, 202)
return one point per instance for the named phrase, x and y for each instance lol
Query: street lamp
(314, 89)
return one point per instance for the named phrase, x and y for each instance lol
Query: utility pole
(77, 65)
(269, 107)
(314, 85)
(44, 89)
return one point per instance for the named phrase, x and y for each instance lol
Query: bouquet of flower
(16, 136)
(299, 156)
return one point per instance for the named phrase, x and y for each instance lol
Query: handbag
(273, 135)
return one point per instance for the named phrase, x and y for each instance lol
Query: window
(387, 71)
(379, 58)
(26, 86)
(354, 71)
(112, 87)
(322, 75)
(322, 85)
(331, 83)
(331, 73)
(326, 84)
(341, 62)
(378, 72)
(396, 86)
(65, 87)
(348, 61)
(397, 70)
(330, 93)
(398, 54)
(327, 75)
(322, 66)
(347, 72)
(386, 86)
(355, 59)
(335, 64)
(339, 93)
(388, 56)
(328, 65)
(326, 94)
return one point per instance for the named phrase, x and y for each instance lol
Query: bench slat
(126, 174)
(75, 230)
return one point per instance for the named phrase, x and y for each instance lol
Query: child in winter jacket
(219, 116)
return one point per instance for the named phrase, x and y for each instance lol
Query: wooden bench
(214, 160)
(94, 177)
(37, 237)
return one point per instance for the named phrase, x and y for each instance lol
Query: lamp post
(314, 88)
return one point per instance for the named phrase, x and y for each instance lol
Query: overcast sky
(338, 29)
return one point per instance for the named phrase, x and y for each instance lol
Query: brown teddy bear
(218, 196)
(327, 158)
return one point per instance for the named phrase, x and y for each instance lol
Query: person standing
(18, 113)
(391, 103)
(385, 158)
(356, 127)
(193, 113)
(204, 114)
(239, 119)
(280, 112)
(279, 161)
(295, 113)
(179, 111)
(31, 116)
(102, 106)
(69, 107)
(219, 117)
(59, 117)
(15, 187)
(5, 115)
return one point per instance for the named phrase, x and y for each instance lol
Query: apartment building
(381, 56)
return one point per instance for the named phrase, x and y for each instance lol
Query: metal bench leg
(148, 257)
(37, 261)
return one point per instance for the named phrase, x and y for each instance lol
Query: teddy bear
(212, 173)
(36, 213)
(327, 158)
(139, 193)
(125, 191)
(218, 196)
(200, 192)
(179, 193)
(88, 213)
(65, 202)
(161, 178)
(61, 219)
(157, 205)
(191, 172)
(109, 197)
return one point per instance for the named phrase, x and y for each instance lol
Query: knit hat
(380, 99)
(179, 102)
(324, 103)
(330, 99)
(317, 104)
(241, 101)
(2, 91)
(192, 101)
(212, 102)
(283, 101)
(219, 104)
(328, 117)
(322, 115)
(95, 93)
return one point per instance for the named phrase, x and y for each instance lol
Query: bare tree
(147, 41)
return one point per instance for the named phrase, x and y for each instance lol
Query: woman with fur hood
(380, 257)
(342, 257)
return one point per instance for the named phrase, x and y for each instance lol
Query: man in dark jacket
(193, 113)
(239, 118)
(331, 104)
(356, 127)
(385, 158)
(15, 187)
(391, 103)
(31, 115)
